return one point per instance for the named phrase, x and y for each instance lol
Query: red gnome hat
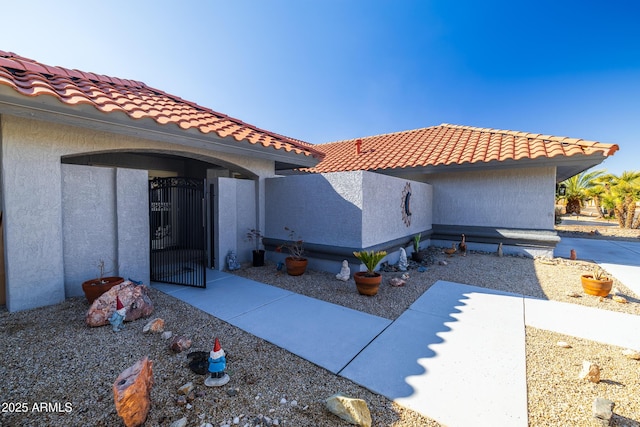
(216, 345)
(119, 305)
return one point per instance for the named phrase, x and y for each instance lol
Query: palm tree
(625, 190)
(577, 187)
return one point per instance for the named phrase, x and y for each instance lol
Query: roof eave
(566, 166)
(51, 109)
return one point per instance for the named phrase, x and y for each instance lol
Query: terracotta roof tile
(450, 144)
(137, 100)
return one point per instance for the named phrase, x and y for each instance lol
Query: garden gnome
(345, 272)
(232, 261)
(217, 365)
(403, 264)
(117, 318)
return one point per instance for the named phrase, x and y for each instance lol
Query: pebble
(186, 388)
(590, 371)
(573, 294)
(283, 401)
(166, 335)
(563, 344)
(618, 298)
(603, 409)
(631, 354)
(182, 422)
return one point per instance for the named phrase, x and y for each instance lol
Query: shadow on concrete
(443, 351)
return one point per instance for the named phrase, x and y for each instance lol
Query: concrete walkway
(457, 355)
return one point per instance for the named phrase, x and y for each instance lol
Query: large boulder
(135, 298)
(354, 411)
(132, 392)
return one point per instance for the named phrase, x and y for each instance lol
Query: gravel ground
(51, 357)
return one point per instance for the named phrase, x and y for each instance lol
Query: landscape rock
(186, 389)
(180, 343)
(354, 411)
(590, 371)
(396, 281)
(603, 409)
(132, 390)
(403, 263)
(631, 354)
(182, 422)
(155, 325)
(135, 298)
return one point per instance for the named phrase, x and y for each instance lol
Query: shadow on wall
(317, 210)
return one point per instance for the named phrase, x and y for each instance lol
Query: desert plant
(598, 274)
(295, 245)
(370, 259)
(255, 235)
(416, 242)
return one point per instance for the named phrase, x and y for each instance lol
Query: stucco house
(96, 168)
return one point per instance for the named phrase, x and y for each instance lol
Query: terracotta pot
(367, 285)
(599, 288)
(295, 267)
(258, 258)
(95, 287)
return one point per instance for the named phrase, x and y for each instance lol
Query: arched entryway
(183, 212)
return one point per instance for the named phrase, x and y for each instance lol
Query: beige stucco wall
(509, 198)
(32, 197)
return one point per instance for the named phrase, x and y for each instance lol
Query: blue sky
(327, 70)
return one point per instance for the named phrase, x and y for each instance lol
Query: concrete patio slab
(609, 327)
(456, 355)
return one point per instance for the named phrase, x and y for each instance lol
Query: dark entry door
(178, 236)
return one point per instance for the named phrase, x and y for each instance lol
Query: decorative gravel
(58, 372)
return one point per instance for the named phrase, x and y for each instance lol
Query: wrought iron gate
(178, 236)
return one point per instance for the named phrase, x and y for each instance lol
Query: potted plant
(597, 283)
(368, 282)
(95, 287)
(296, 263)
(417, 255)
(254, 235)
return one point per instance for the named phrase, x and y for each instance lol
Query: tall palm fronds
(577, 189)
(625, 192)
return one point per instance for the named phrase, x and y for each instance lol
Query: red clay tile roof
(448, 145)
(134, 98)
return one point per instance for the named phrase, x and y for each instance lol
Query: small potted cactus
(596, 283)
(368, 282)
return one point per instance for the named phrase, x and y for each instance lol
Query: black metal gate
(178, 233)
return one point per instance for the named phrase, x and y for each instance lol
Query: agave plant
(370, 259)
